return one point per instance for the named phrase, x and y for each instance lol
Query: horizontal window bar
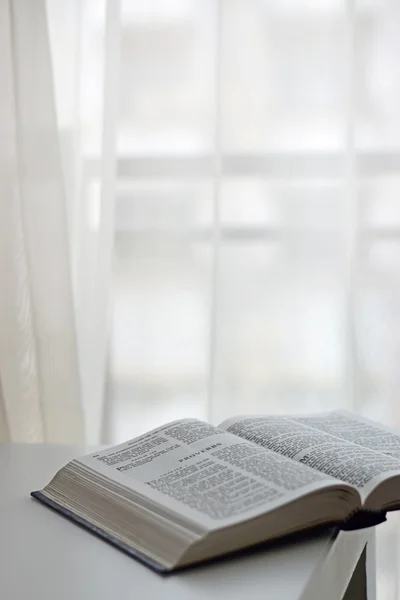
(272, 165)
(255, 233)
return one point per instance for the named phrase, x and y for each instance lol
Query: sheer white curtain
(85, 45)
(39, 375)
(231, 176)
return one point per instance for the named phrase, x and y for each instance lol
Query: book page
(205, 472)
(339, 458)
(356, 429)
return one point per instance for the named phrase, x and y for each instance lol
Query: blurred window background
(256, 221)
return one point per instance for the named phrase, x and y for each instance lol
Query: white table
(44, 556)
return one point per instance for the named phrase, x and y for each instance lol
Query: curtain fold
(39, 369)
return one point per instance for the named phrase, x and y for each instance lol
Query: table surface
(44, 556)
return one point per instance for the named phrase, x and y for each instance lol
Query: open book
(189, 491)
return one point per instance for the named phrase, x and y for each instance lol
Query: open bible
(188, 491)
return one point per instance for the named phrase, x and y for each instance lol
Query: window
(257, 150)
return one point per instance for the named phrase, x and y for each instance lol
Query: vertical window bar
(352, 222)
(216, 235)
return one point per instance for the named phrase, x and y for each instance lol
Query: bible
(188, 492)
